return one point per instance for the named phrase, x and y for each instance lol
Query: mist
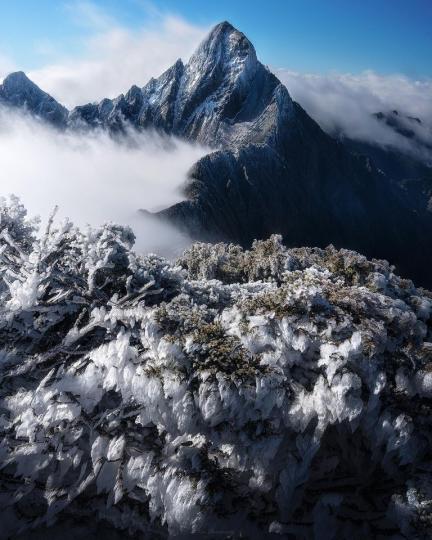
(94, 179)
(345, 103)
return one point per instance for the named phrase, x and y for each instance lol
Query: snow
(262, 390)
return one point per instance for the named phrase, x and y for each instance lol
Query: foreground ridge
(264, 392)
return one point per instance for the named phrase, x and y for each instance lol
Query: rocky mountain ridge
(222, 96)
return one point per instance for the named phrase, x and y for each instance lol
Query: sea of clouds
(345, 104)
(94, 178)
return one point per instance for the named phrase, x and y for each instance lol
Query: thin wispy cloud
(116, 57)
(90, 15)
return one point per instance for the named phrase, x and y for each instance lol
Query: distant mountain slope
(19, 91)
(410, 168)
(411, 174)
(273, 169)
(404, 125)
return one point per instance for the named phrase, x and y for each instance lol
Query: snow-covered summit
(18, 80)
(19, 91)
(226, 54)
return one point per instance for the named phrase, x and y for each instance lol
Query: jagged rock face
(226, 96)
(264, 393)
(18, 91)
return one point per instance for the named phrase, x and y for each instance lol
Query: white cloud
(6, 66)
(345, 102)
(87, 14)
(116, 57)
(95, 179)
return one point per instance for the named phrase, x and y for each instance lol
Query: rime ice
(264, 391)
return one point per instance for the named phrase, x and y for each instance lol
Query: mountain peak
(17, 75)
(224, 28)
(222, 96)
(224, 40)
(18, 80)
(225, 59)
(19, 91)
(226, 25)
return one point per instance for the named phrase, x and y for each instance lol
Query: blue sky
(387, 36)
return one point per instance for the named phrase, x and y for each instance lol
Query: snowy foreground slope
(262, 393)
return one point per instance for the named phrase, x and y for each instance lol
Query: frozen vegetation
(269, 393)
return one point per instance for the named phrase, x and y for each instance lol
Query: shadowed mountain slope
(19, 91)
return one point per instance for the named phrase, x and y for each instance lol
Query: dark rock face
(403, 125)
(313, 192)
(412, 175)
(274, 169)
(19, 91)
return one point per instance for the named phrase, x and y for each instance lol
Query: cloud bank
(345, 103)
(95, 179)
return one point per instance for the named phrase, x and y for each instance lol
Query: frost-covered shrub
(14, 223)
(17, 234)
(263, 392)
(229, 263)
